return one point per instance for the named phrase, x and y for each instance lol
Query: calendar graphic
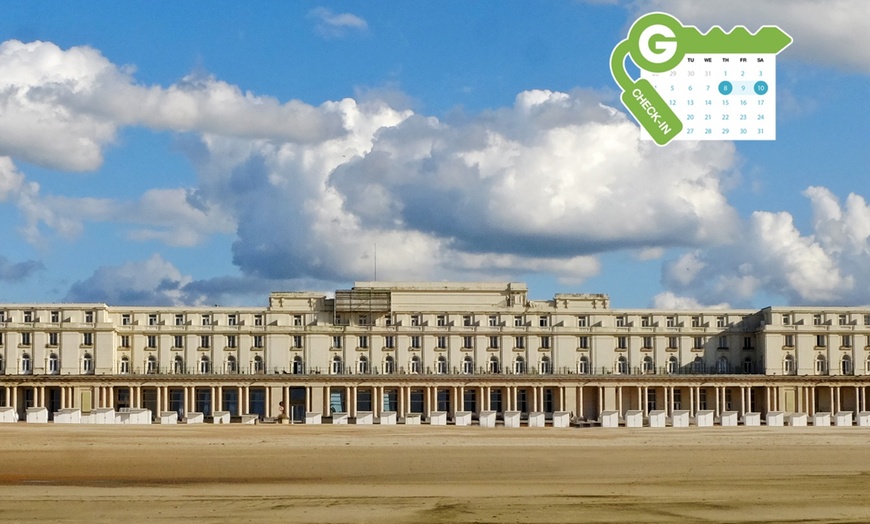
(696, 86)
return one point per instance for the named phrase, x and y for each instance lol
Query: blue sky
(165, 153)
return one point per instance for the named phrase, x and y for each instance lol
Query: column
(159, 407)
(327, 390)
(62, 397)
(353, 402)
(742, 401)
(460, 399)
(561, 398)
(671, 405)
(246, 402)
(535, 399)
(641, 401)
(513, 398)
(401, 406)
(486, 400)
(219, 401)
(643, 393)
(287, 411)
(377, 400)
(767, 399)
(691, 401)
(619, 401)
(716, 411)
(41, 396)
(600, 402)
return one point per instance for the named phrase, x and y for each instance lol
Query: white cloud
(336, 25)
(831, 32)
(670, 301)
(150, 282)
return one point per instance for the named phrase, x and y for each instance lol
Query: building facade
(419, 348)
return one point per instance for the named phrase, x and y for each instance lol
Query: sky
(165, 153)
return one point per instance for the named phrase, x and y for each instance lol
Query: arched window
(414, 365)
(204, 365)
(53, 364)
(519, 365)
(583, 365)
(788, 365)
(26, 367)
(231, 365)
(124, 367)
(698, 365)
(87, 364)
(178, 367)
(441, 365)
(846, 365)
(621, 366)
(467, 365)
(722, 365)
(494, 365)
(150, 364)
(362, 365)
(546, 366)
(747, 365)
(257, 366)
(298, 367)
(647, 365)
(389, 365)
(673, 365)
(337, 365)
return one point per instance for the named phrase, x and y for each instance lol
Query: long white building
(425, 347)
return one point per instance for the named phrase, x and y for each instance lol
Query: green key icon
(657, 42)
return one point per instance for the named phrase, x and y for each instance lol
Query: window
(389, 365)
(722, 365)
(867, 320)
(494, 366)
(847, 341)
(441, 320)
(821, 365)
(493, 321)
(817, 320)
(230, 365)
(723, 342)
(414, 365)
(336, 342)
(297, 342)
(820, 341)
(26, 367)
(647, 365)
(204, 365)
(583, 365)
(545, 368)
(415, 320)
(673, 365)
(467, 365)
(518, 321)
(28, 316)
(747, 342)
(258, 320)
(646, 321)
(621, 321)
(89, 317)
(696, 321)
(1, 338)
(789, 341)
(677, 399)
(151, 342)
(124, 367)
(125, 341)
(442, 342)
(621, 366)
(297, 367)
(297, 320)
(466, 320)
(232, 342)
(53, 364)
(150, 365)
(415, 342)
(53, 338)
(467, 342)
(232, 319)
(390, 341)
(257, 367)
(747, 365)
(152, 320)
(846, 365)
(788, 365)
(178, 341)
(545, 342)
(88, 364)
(698, 365)
(671, 321)
(493, 342)
(388, 320)
(179, 320)
(178, 365)
(258, 341)
(583, 321)
(786, 320)
(441, 365)
(205, 341)
(543, 321)
(621, 342)
(206, 320)
(519, 365)
(55, 317)
(126, 320)
(87, 339)
(842, 320)
(25, 339)
(647, 342)
(721, 321)
(583, 342)
(362, 365)
(520, 343)
(699, 343)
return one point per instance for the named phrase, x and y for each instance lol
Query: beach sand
(391, 474)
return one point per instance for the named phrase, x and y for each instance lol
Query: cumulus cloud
(828, 266)
(18, 271)
(61, 108)
(336, 25)
(669, 301)
(151, 282)
(830, 32)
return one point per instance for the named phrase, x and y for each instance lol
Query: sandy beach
(425, 474)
